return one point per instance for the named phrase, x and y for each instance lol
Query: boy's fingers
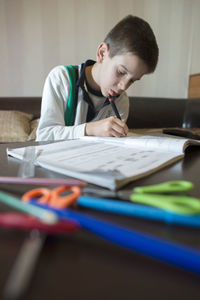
(111, 126)
(118, 129)
(115, 133)
(120, 126)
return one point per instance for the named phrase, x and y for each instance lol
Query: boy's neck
(90, 77)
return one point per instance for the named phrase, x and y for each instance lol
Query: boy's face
(116, 74)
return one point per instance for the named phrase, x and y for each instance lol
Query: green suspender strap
(71, 104)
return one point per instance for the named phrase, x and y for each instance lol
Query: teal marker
(44, 215)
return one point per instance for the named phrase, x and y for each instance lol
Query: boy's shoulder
(57, 70)
(58, 74)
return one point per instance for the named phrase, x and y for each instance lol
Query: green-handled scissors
(157, 195)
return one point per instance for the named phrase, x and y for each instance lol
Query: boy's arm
(54, 102)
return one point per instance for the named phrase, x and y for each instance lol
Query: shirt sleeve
(54, 102)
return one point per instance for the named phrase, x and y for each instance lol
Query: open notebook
(109, 162)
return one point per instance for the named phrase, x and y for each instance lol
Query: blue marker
(139, 211)
(180, 256)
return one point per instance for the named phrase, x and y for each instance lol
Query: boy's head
(128, 52)
(134, 35)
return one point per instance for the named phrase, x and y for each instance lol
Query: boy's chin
(105, 94)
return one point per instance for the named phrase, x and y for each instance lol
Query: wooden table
(83, 266)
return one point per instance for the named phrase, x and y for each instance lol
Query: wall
(195, 40)
(38, 35)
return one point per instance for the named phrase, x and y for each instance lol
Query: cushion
(34, 125)
(14, 126)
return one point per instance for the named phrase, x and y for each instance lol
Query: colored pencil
(15, 202)
(42, 181)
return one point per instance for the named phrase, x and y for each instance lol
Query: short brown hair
(133, 34)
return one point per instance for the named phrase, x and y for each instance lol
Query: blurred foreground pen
(112, 103)
(173, 253)
(24, 265)
(44, 215)
(23, 268)
(139, 211)
(42, 181)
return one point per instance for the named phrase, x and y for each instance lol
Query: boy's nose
(123, 85)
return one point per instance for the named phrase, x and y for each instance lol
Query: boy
(128, 52)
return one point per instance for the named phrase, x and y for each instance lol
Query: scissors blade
(104, 193)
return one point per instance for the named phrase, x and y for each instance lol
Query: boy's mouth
(113, 93)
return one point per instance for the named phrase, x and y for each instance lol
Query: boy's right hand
(111, 126)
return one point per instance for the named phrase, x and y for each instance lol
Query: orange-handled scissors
(54, 197)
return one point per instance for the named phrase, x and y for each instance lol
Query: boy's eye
(121, 72)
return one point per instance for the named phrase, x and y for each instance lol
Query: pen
(42, 214)
(112, 103)
(170, 252)
(42, 181)
(20, 221)
(138, 211)
(25, 263)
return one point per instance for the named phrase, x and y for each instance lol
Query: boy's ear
(102, 50)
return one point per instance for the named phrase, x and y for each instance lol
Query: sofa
(19, 115)
(148, 112)
(19, 118)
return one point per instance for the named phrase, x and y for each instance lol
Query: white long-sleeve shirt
(54, 103)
